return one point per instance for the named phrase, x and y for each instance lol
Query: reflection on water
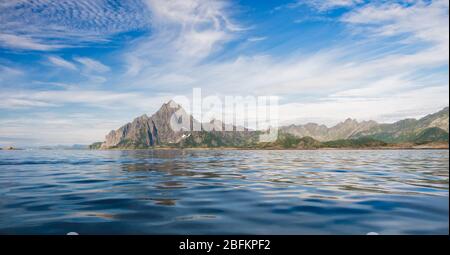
(224, 192)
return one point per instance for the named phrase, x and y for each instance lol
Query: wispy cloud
(92, 65)
(183, 31)
(323, 5)
(45, 25)
(12, 103)
(393, 54)
(57, 61)
(256, 39)
(10, 71)
(139, 102)
(55, 129)
(415, 103)
(25, 42)
(418, 21)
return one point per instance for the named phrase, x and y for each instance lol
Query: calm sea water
(224, 192)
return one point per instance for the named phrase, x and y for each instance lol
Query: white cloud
(183, 32)
(45, 25)
(53, 129)
(92, 65)
(24, 42)
(133, 101)
(10, 71)
(324, 72)
(12, 103)
(420, 21)
(78, 126)
(414, 103)
(256, 39)
(57, 61)
(359, 80)
(324, 5)
(350, 79)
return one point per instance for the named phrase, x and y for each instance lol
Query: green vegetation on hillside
(289, 141)
(433, 134)
(428, 135)
(410, 130)
(95, 146)
(249, 140)
(214, 139)
(363, 142)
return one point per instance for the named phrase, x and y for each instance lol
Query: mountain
(409, 130)
(155, 131)
(343, 130)
(144, 131)
(63, 147)
(212, 139)
(363, 142)
(430, 135)
(289, 141)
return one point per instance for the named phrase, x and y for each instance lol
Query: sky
(72, 70)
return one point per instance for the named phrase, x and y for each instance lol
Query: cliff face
(147, 131)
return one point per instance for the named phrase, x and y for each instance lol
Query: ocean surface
(224, 192)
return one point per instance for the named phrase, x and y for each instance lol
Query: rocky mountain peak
(147, 131)
(171, 124)
(349, 120)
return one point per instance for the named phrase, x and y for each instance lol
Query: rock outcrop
(165, 127)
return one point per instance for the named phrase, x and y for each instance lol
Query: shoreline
(279, 149)
(438, 146)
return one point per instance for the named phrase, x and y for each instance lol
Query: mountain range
(406, 130)
(155, 131)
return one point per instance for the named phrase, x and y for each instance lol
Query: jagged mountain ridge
(408, 129)
(145, 132)
(401, 131)
(342, 130)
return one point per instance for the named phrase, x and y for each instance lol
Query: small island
(9, 148)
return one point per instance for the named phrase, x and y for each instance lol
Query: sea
(196, 191)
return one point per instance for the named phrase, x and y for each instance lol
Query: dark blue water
(224, 192)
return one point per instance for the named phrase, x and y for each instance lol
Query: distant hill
(409, 130)
(289, 141)
(65, 147)
(343, 130)
(155, 131)
(405, 130)
(363, 142)
(430, 135)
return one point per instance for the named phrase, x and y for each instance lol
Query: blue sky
(70, 71)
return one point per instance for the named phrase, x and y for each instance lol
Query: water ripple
(207, 191)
